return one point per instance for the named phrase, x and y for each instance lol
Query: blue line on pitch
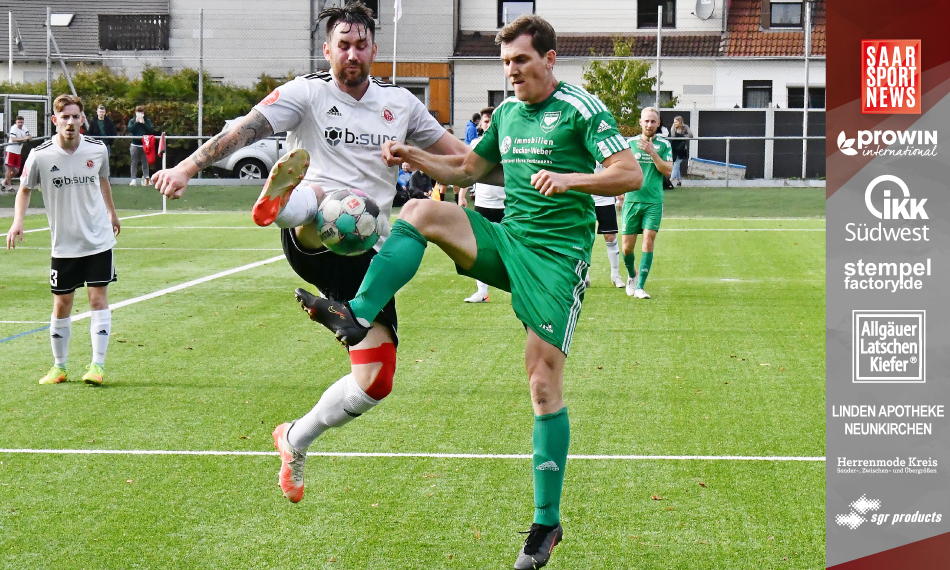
(24, 334)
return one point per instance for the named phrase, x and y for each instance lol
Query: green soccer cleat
(93, 375)
(54, 376)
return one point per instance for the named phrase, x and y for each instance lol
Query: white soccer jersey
(602, 200)
(78, 220)
(344, 136)
(488, 195)
(16, 132)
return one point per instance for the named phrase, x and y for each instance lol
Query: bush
(170, 100)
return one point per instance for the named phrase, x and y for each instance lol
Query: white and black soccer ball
(349, 222)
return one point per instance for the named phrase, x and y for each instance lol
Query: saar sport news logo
(889, 143)
(861, 508)
(890, 78)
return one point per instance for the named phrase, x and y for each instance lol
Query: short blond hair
(653, 110)
(62, 101)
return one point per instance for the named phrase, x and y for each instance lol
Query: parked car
(253, 161)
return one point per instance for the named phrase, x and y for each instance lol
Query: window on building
(512, 10)
(495, 98)
(756, 94)
(649, 99)
(785, 14)
(133, 32)
(816, 97)
(648, 10)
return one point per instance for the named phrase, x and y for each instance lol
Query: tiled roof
(482, 44)
(746, 37)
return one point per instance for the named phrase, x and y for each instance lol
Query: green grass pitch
(726, 359)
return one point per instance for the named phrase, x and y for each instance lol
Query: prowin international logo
(889, 143)
(861, 507)
(905, 208)
(548, 466)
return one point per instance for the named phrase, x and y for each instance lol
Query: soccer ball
(349, 222)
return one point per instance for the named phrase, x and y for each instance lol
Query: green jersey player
(548, 139)
(643, 208)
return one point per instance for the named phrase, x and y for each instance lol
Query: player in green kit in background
(548, 138)
(643, 208)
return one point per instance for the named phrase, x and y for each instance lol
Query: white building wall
(425, 31)
(730, 74)
(570, 16)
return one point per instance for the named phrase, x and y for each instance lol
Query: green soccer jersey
(570, 131)
(652, 190)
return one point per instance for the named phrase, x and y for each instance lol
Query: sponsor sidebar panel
(888, 286)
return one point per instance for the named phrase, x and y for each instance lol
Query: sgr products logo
(905, 208)
(335, 135)
(863, 506)
(889, 143)
(891, 77)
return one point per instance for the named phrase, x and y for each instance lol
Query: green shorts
(546, 288)
(639, 216)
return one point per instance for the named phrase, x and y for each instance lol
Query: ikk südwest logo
(891, 79)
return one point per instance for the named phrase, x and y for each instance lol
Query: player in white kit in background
(72, 171)
(606, 209)
(341, 119)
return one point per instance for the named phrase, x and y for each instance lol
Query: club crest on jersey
(272, 98)
(90, 164)
(388, 115)
(549, 120)
(505, 145)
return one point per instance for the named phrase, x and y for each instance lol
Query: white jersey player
(606, 210)
(72, 171)
(341, 118)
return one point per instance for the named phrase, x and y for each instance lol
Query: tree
(617, 83)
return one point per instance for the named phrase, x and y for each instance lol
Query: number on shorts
(53, 276)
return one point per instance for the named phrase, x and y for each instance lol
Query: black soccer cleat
(334, 315)
(538, 546)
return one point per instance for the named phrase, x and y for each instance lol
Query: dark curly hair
(352, 13)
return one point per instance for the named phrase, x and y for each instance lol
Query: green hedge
(170, 100)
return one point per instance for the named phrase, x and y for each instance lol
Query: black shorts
(336, 276)
(66, 274)
(493, 215)
(606, 219)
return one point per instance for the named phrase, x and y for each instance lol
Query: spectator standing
(680, 146)
(471, 128)
(139, 126)
(18, 134)
(103, 126)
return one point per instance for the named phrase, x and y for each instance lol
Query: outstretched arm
(250, 129)
(621, 174)
(455, 169)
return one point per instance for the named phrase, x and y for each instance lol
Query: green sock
(552, 435)
(392, 267)
(629, 262)
(646, 260)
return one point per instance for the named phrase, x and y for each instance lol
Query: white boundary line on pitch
(46, 229)
(180, 248)
(181, 286)
(411, 455)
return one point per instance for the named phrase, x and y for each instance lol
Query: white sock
(613, 255)
(301, 208)
(482, 288)
(339, 405)
(100, 327)
(59, 332)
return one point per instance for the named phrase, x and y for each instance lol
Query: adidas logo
(54, 169)
(548, 466)
(103, 333)
(603, 127)
(55, 335)
(548, 328)
(334, 112)
(351, 414)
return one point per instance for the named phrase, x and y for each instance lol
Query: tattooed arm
(252, 128)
